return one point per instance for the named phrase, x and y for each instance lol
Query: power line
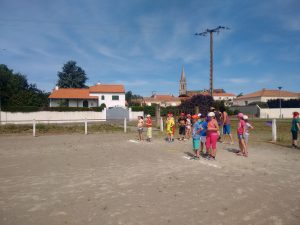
(211, 31)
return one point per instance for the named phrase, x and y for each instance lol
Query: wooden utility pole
(211, 71)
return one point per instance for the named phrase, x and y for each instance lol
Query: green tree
(72, 76)
(204, 102)
(128, 97)
(15, 90)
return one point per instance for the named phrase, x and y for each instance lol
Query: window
(102, 97)
(115, 97)
(85, 103)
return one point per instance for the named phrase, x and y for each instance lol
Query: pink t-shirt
(241, 127)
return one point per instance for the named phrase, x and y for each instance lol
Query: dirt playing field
(113, 179)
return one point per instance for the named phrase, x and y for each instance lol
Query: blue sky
(145, 43)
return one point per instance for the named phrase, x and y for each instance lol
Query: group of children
(204, 130)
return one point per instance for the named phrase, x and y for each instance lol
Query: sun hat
(240, 115)
(211, 114)
(148, 115)
(245, 117)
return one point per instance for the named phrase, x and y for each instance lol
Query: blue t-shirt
(203, 124)
(196, 129)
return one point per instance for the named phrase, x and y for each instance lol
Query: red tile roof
(270, 93)
(107, 88)
(72, 93)
(224, 94)
(160, 98)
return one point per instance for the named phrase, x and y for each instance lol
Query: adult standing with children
(226, 126)
(212, 136)
(295, 129)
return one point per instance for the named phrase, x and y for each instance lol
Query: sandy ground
(112, 179)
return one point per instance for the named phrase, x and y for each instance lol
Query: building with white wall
(112, 95)
(162, 100)
(264, 95)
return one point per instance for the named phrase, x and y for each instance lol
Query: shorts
(196, 144)
(246, 137)
(140, 130)
(294, 135)
(149, 132)
(203, 139)
(226, 129)
(240, 136)
(182, 130)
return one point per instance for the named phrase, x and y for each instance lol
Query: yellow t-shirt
(170, 125)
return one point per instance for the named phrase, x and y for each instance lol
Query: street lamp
(280, 101)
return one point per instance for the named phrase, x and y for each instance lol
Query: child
(295, 129)
(188, 126)
(170, 124)
(212, 136)
(196, 136)
(241, 135)
(140, 126)
(181, 125)
(203, 125)
(149, 128)
(248, 126)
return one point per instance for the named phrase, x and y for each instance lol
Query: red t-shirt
(149, 122)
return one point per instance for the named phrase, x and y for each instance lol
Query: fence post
(274, 130)
(125, 125)
(85, 126)
(161, 124)
(33, 128)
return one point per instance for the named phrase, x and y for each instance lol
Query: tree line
(17, 93)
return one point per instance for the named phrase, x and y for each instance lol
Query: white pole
(85, 126)
(125, 125)
(33, 128)
(274, 130)
(161, 124)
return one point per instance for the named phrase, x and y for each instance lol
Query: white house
(263, 96)
(111, 95)
(162, 100)
(226, 97)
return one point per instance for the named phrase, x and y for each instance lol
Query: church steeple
(182, 85)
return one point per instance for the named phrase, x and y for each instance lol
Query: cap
(212, 108)
(148, 115)
(195, 116)
(245, 117)
(240, 115)
(211, 114)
